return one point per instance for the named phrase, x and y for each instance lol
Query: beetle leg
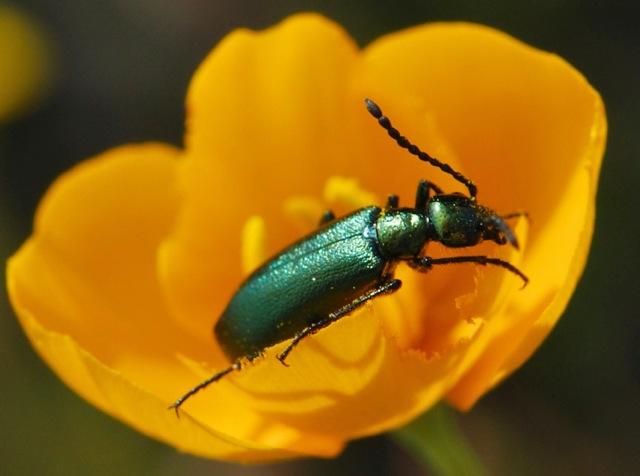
(385, 288)
(423, 193)
(327, 217)
(237, 365)
(425, 263)
(392, 202)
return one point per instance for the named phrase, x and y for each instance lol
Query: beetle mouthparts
(506, 231)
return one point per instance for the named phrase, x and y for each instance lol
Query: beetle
(347, 262)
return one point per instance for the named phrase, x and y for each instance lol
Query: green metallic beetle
(349, 261)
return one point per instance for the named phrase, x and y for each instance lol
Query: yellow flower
(135, 253)
(24, 62)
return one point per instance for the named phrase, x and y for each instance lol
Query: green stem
(436, 442)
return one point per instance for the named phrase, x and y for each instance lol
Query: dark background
(121, 75)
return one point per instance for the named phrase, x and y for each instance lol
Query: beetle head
(458, 221)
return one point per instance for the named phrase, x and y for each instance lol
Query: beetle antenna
(413, 149)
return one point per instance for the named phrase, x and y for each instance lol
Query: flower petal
(117, 395)
(85, 289)
(558, 257)
(515, 119)
(266, 115)
(529, 130)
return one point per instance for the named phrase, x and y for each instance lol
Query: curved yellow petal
(559, 257)
(265, 120)
(85, 289)
(116, 394)
(530, 131)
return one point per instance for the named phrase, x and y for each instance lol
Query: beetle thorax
(402, 233)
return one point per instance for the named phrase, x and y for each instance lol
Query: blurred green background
(122, 68)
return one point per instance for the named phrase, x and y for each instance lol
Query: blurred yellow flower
(24, 62)
(136, 252)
